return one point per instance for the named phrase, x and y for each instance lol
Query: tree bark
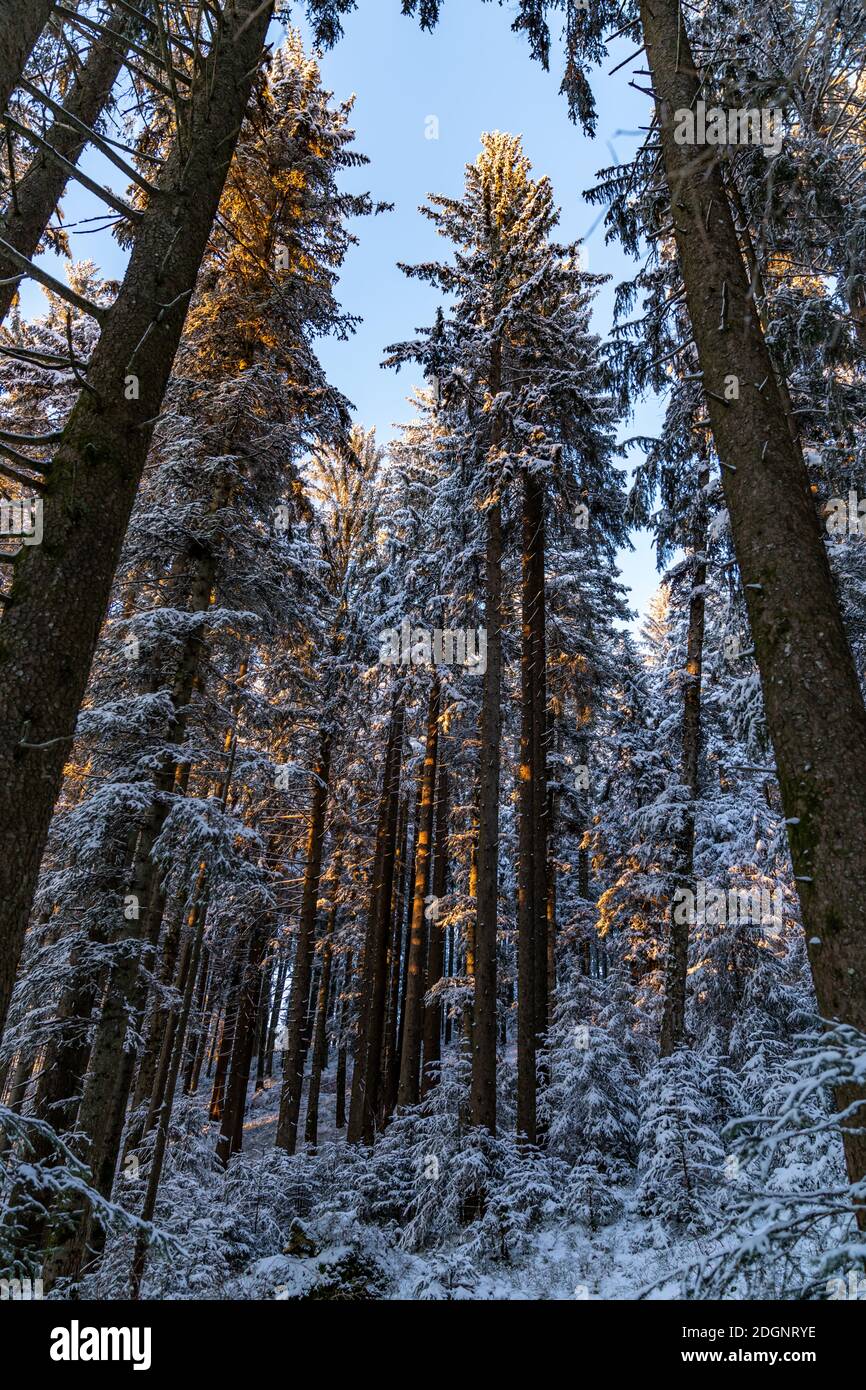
(482, 1100)
(296, 1052)
(199, 1034)
(60, 589)
(674, 1013)
(230, 1139)
(532, 1004)
(343, 1044)
(410, 1056)
(540, 737)
(482, 1097)
(367, 1073)
(436, 942)
(226, 1039)
(391, 1041)
(320, 1034)
(814, 708)
(22, 23)
(155, 1174)
(276, 1006)
(41, 187)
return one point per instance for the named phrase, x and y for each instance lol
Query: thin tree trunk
(811, 693)
(199, 1035)
(674, 1013)
(482, 1099)
(391, 1042)
(155, 1174)
(482, 1102)
(295, 1052)
(262, 1027)
(154, 1045)
(405, 944)
(554, 733)
(227, 1036)
(343, 1044)
(410, 1057)
(449, 974)
(367, 1073)
(532, 895)
(436, 942)
(540, 737)
(276, 1005)
(230, 1139)
(40, 188)
(320, 1035)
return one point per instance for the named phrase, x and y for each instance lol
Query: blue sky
(472, 74)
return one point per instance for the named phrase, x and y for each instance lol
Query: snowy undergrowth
(696, 1208)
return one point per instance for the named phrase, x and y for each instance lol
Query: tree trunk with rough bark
(532, 1001)
(367, 1073)
(21, 23)
(60, 589)
(482, 1097)
(436, 943)
(41, 186)
(320, 1035)
(343, 1043)
(391, 1043)
(410, 1056)
(676, 974)
(814, 708)
(296, 1052)
(231, 1128)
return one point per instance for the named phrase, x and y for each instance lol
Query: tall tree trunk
(391, 1041)
(155, 1174)
(811, 692)
(276, 1006)
(449, 974)
(554, 732)
(482, 1097)
(296, 1052)
(201, 1028)
(231, 1128)
(532, 1005)
(41, 187)
(436, 942)
(410, 1057)
(320, 1034)
(405, 946)
(262, 1025)
(60, 590)
(343, 1044)
(367, 1073)
(22, 23)
(227, 1034)
(674, 1013)
(157, 1024)
(540, 736)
